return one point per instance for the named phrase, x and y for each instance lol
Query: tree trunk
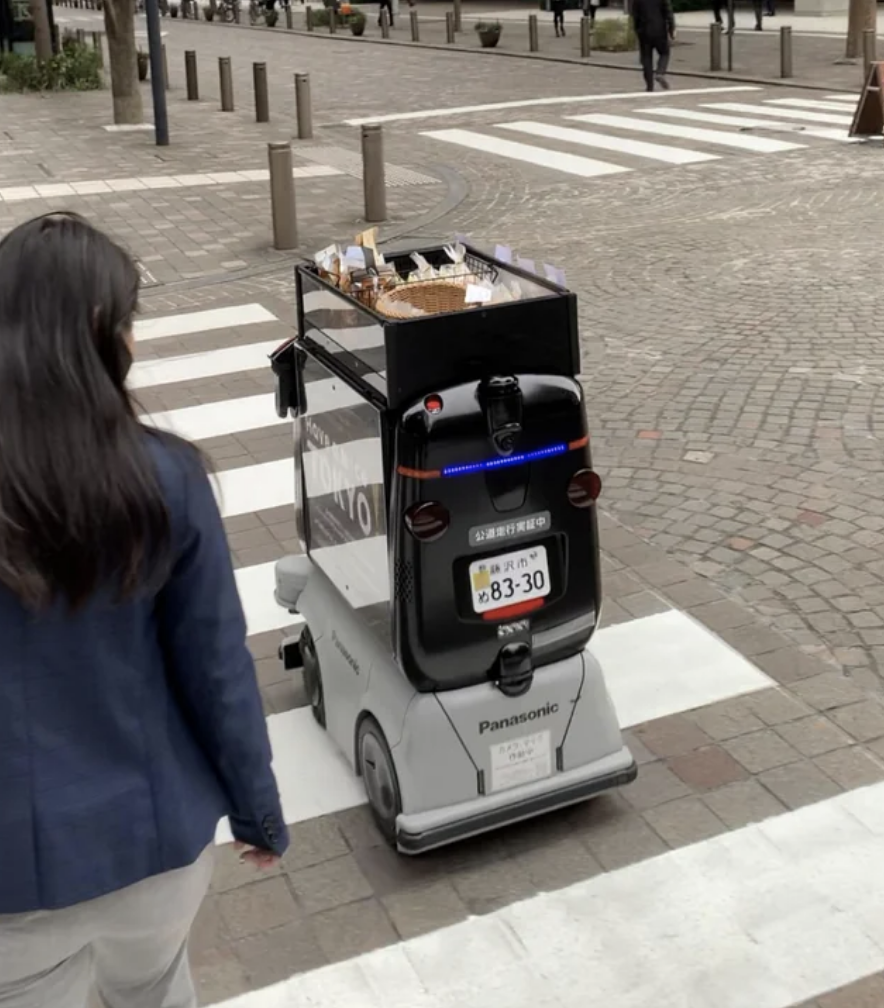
(119, 23)
(42, 32)
(861, 14)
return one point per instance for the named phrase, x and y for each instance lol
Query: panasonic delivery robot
(449, 581)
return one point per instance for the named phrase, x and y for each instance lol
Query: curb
(541, 57)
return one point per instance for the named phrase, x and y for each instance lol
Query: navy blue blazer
(127, 731)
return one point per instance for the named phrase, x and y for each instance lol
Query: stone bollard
(303, 106)
(786, 51)
(373, 182)
(283, 211)
(262, 98)
(225, 78)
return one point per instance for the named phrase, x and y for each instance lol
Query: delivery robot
(449, 581)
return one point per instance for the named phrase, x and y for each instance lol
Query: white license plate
(510, 578)
(521, 761)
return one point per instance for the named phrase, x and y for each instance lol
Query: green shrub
(614, 35)
(322, 17)
(75, 68)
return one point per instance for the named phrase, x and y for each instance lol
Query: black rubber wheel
(312, 677)
(379, 778)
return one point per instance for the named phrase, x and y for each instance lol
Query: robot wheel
(379, 777)
(312, 677)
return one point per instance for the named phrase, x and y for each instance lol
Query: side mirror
(288, 378)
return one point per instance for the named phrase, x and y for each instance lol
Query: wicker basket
(433, 297)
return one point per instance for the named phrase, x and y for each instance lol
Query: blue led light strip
(500, 463)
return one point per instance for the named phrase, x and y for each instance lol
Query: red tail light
(584, 488)
(428, 521)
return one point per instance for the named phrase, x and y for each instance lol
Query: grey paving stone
(864, 721)
(313, 842)
(254, 908)
(743, 803)
(815, 735)
(275, 955)
(654, 785)
(425, 908)
(852, 767)
(761, 751)
(799, 784)
(351, 930)
(329, 884)
(684, 821)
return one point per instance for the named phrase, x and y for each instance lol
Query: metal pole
(786, 51)
(415, 28)
(155, 44)
(868, 51)
(308, 14)
(458, 25)
(96, 45)
(282, 196)
(533, 43)
(714, 47)
(81, 37)
(165, 69)
(332, 20)
(225, 77)
(731, 28)
(385, 23)
(191, 76)
(302, 105)
(262, 100)
(373, 183)
(585, 37)
(449, 27)
(289, 23)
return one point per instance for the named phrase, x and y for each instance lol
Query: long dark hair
(81, 509)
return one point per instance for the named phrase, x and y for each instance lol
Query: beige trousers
(131, 946)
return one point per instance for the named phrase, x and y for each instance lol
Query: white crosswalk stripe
(744, 122)
(201, 321)
(622, 145)
(571, 164)
(209, 364)
(770, 915)
(808, 103)
(750, 129)
(758, 145)
(800, 115)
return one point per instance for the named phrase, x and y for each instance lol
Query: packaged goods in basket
(411, 286)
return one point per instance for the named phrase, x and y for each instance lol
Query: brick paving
(730, 329)
(816, 60)
(341, 892)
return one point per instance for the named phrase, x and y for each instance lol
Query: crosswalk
(761, 917)
(769, 126)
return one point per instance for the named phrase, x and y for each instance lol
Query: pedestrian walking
(558, 13)
(386, 5)
(130, 718)
(589, 9)
(654, 25)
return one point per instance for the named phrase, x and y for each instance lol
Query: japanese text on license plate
(521, 761)
(510, 578)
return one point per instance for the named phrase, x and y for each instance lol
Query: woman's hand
(261, 859)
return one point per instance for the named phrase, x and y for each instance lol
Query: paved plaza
(723, 241)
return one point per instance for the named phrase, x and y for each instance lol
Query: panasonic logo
(518, 719)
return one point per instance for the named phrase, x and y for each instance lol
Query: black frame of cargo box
(537, 335)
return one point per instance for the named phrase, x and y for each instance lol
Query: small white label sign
(476, 294)
(521, 761)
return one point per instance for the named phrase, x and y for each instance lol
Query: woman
(130, 719)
